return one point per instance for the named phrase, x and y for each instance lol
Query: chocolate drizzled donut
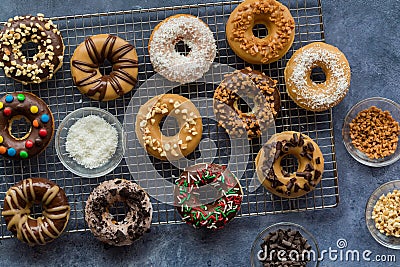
(20, 198)
(89, 56)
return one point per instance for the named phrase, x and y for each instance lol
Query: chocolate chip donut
(208, 196)
(251, 84)
(136, 222)
(19, 105)
(91, 54)
(21, 30)
(276, 179)
(22, 196)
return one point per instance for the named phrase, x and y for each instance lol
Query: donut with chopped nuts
(251, 84)
(148, 131)
(170, 63)
(138, 217)
(39, 30)
(280, 182)
(276, 18)
(19, 105)
(317, 96)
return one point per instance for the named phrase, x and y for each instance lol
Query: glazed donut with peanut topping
(89, 56)
(39, 30)
(279, 22)
(148, 131)
(171, 64)
(22, 196)
(317, 96)
(252, 84)
(276, 179)
(102, 224)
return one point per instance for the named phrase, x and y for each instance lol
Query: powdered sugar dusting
(174, 66)
(336, 85)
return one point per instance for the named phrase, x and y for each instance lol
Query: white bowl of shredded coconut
(89, 142)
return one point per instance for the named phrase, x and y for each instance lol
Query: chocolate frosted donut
(208, 196)
(23, 29)
(19, 105)
(276, 179)
(21, 197)
(91, 54)
(136, 222)
(252, 84)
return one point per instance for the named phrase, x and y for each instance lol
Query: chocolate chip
(118, 181)
(38, 142)
(295, 139)
(113, 191)
(309, 167)
(301, 141)
(289, 186)
(303, 154)
(309, 156)
(318, 160)
(279, 145)
(310, 147)
(317, 174)
(301, 174)
(306, 187)
(296, 188)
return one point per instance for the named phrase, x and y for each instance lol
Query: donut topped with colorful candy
(208, 196)
(23, 105)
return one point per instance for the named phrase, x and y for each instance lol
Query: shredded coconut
(174, 66)
(91, 141)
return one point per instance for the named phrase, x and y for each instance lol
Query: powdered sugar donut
(317, 96)
(138, 217)
(195, 34)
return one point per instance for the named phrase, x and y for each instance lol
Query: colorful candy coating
(1, 105)
(23, 154)
(11, 152)
(34, 109)
(3, 150)
(7, 111)
(21, 97)
(35, 123)
(1, 139)
(9, 98)
(29, 144)
(42, 132)
(45, 118)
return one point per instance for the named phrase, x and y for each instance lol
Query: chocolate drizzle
(116, 56)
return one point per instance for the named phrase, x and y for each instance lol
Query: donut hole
(20, 127)
(260, 31)
(118, 211)
(182, 48)
(318, 75)
(289, 164)
(29, 49)
(169, 126)
(36, 210)
(105, 68)
(245, 104)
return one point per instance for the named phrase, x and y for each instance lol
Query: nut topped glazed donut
(246, 83)
(23, 29)
(317, 96)
(277, 19)
(20, 105)
(208, 196)
(195, 34)
(276, 179)
(136, 222)
(148, 131)
(89, 56)
(22, 196)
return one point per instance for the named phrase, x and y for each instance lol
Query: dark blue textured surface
(368, 33)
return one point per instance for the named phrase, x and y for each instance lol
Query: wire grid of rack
(135, 26)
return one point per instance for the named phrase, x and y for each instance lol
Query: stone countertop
(366, 31)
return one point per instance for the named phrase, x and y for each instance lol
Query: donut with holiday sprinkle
(208, 196)
(23, 105)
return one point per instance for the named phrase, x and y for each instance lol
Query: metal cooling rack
(135, 26)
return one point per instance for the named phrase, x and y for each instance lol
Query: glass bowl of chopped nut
(371, 131)
(89, 142)
(287, 243)
(382, 214)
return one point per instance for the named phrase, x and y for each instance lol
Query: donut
(136, 222)
(280, 182)
(252, 84)
(317, 96)
(55, 211)
(36, 29)
(278, 21)
(148, 131)
(207, 196)
(91, 54)
(195, 34)
(18, 105)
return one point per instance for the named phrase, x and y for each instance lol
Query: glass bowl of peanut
(371, 132)
(382, 214)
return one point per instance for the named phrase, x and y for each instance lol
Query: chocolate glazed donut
(20, 198)
(91, 54)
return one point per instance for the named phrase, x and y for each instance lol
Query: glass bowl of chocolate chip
(371, 132)
(285, 244)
